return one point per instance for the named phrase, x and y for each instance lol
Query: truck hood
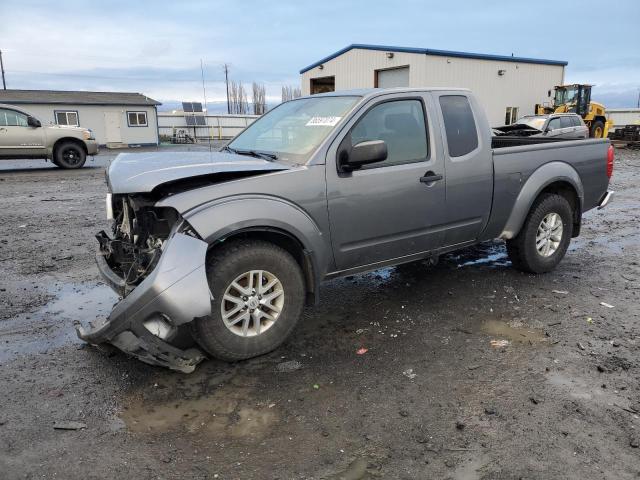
(142, 172)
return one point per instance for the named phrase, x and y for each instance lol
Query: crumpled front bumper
(174, 293)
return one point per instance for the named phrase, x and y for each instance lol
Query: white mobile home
(508, 86)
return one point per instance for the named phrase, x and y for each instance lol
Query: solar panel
(200, 120)
(187, 106)
(197, 107)
(191, 120)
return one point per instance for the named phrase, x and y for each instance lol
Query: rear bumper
(606, 198)
(143, 323)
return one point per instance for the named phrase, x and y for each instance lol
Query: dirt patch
(429, 398)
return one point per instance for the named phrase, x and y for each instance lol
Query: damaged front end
(156, 263)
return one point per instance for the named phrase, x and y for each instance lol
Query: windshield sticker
(323, 121)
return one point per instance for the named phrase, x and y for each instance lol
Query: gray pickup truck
(216, 253)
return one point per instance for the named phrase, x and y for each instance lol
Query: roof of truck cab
(430, 51)
(370, 92)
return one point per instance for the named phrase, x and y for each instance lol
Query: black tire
(522, 249)
(597, 126)
(69, 155)
(223, 267)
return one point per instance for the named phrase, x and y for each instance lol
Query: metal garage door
(395, 77)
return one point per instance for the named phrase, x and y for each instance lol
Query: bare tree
(238, 98)
(289, 93)
(259, 99)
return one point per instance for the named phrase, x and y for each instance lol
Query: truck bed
(516, 159)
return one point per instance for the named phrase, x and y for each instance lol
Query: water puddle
(491, 254)
(223, 413)
(515, 332)
(51, 326)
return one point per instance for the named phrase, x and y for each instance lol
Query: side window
(11, 118)
(137, 119)
(576, 121)
(554, 124)
(459, 124)
(402, 127)
(566, 122)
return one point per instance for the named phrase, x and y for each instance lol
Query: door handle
(430, 177)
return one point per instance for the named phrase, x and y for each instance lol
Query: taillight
(610, 161)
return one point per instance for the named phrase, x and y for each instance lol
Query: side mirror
(363, 153)
(33, 122)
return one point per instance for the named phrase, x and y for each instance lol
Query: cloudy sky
(155, 47)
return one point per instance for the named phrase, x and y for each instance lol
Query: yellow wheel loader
(576, 98)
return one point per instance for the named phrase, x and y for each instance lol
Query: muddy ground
(472, 370)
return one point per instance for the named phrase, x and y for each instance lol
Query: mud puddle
(224, 413)
(51, 326)
(512, 332)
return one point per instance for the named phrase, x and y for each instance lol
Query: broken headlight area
(139, 232)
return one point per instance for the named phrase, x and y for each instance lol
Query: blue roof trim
(441, 53)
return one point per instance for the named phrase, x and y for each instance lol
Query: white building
(508, 87)
(118, 119)
(623, 116)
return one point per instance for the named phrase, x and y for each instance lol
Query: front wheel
(258, 294)
(597, 129)
(544, 237)
(69, 155)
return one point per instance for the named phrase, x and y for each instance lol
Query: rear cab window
(459, 125)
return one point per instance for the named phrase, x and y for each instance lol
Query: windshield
(293, 130)
(565, 95)
(533, 122)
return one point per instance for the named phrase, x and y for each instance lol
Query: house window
(511, 115)
(67, 118)
(137, 119)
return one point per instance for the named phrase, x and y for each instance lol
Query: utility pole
(4, 83)
(226, 81)
(204, 96)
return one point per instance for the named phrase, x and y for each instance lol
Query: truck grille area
(139, 231)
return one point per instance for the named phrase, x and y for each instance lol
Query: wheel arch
(62, 140)
(271, 219)
(554, 177)
(284, 240)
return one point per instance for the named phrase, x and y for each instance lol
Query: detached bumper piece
(144, 322)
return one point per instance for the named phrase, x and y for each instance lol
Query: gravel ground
(437, 394)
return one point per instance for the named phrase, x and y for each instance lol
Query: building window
(511, 115)
(137, 119)
(67, 118)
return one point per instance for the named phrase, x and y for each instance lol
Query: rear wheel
(258, 295)
(597, 129)
(69, 155)
(544, 237)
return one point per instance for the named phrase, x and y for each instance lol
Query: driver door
(387, 210)
(17, 138)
